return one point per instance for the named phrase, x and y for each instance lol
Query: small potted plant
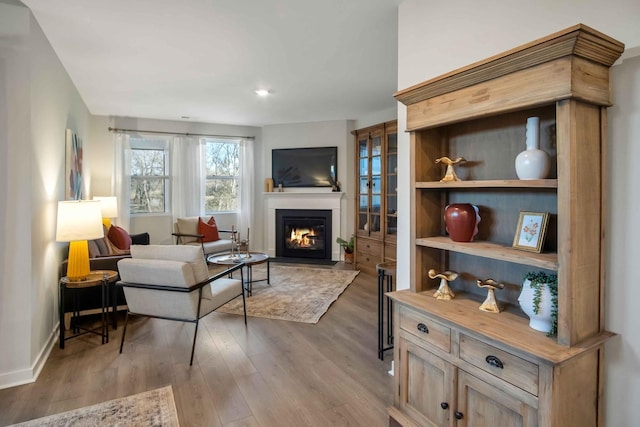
(539, 300)
(348, 248)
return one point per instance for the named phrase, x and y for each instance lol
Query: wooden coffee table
(249, 259)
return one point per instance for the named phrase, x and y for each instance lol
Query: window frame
(237, 178)
(152, 143)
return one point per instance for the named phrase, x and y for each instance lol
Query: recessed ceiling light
(262, 92)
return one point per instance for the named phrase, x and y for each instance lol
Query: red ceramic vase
(461, 221)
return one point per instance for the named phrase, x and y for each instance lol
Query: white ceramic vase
(532, 163)
(541, 321)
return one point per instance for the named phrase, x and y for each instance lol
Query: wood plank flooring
(271, 373)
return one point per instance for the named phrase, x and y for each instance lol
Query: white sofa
(186, 232)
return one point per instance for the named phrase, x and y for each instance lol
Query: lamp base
(106, 222)
(78, 263)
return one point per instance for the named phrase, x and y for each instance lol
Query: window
(222, 163)
(149, 176)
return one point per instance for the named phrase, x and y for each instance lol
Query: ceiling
(204, 59)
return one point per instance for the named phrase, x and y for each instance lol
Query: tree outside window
(149, 179)
(223, 172)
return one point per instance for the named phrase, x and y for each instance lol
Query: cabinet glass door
(369, 191)
(363, 184)
(392, 184)
(375, 210)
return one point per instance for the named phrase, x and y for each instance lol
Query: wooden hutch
(445, 351)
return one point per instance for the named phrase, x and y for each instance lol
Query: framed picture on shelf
(531, 230)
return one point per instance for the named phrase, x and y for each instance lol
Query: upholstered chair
(197, 231)
(173, 282)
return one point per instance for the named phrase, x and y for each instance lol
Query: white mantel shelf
(300, 194)
(303, 200)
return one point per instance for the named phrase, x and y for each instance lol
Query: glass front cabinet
(376, 194)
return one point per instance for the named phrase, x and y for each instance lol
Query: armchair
(186, 233)
(172, 282)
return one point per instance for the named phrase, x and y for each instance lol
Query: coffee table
(249, 259)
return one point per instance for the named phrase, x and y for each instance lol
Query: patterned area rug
(298, 294)
(151, 408)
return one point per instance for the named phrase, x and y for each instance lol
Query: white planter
(541, 321)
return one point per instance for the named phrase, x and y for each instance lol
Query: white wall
(41, 103)
(437, 37)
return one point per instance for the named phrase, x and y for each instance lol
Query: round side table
(95, 278)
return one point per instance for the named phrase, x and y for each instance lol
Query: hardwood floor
(271, 373)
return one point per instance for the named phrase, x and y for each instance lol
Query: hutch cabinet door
(483, 405)
(427, 385)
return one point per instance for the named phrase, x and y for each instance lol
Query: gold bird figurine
(450, 174)
(444, 292)
(490, 304)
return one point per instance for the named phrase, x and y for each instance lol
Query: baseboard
(30, 375)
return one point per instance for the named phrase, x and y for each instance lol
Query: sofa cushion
(119, 237)
(209, 229)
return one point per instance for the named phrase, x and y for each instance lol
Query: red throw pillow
(209, 229)
(119, 237)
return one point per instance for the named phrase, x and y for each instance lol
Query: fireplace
(303, 233)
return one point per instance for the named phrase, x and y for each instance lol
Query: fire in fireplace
(303, 233)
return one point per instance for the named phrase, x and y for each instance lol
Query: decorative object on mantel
(268, 185)
(539, 300)
(444, 292)
(532, 163)
(531, 230)
(450, 174)
(461, 221)
(490, 304)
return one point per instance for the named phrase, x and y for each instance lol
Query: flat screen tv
(305, 167)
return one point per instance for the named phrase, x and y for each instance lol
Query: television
(305, 167)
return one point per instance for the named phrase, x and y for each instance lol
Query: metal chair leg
(124, 330)
(193, 347)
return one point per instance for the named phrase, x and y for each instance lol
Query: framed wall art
(74, 185)
(531, 230)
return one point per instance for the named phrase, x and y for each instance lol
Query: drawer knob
(494, 361)
(423, 328)
(459, 415)
(444, 405)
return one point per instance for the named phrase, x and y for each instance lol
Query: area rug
(151, 408)
(297, 294)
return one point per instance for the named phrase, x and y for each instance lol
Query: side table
(100, 278)
(386, 271)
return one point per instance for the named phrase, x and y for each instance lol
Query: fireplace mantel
(303, 200)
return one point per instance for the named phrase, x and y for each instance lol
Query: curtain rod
(176, 133)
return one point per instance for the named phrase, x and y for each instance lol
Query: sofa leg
(124, 330)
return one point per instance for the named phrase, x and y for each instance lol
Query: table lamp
(78, 221)
(109, 207)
